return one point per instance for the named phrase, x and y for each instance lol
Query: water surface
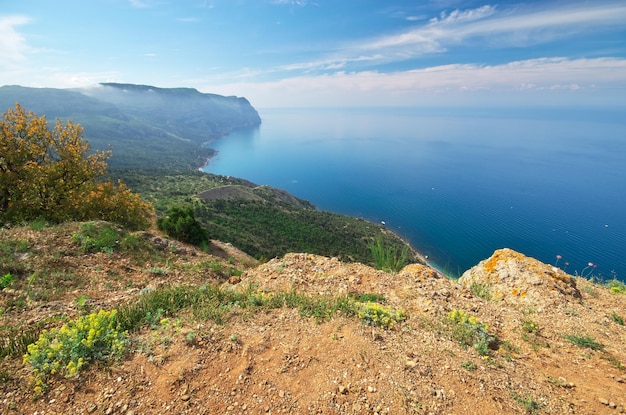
(457, 184)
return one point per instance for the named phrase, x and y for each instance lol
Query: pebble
(604, 401)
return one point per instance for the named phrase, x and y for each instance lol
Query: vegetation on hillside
(48, 173)
(270, 225)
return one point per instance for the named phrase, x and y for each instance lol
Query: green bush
(66, 350)
(181, 224)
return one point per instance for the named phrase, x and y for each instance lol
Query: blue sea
(456, 183)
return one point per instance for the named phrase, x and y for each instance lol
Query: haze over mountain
(140, 123)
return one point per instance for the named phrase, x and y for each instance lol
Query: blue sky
(327, 52)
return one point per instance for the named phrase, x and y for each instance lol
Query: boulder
(516, 279)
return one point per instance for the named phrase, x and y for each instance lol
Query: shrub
(66, 350)
(469, 331)
(616, 287)
(181, 224)
(49, 174)
(379, 315)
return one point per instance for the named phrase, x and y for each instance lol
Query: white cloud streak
(517, 82)
(13, 46)
(491, 26)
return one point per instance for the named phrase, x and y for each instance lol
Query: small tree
(49, 173)
(180, 223)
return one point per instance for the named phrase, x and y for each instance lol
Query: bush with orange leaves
(48, 173)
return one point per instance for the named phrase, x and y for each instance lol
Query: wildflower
(558, 258)
(589, 265)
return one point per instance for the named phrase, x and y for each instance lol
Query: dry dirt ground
(278, 362)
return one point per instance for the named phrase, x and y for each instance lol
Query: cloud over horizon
(402, 53)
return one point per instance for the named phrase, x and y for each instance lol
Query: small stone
(371, 389)
(185, 397)
(342, 389)
(410, 364)
(604, 401)
(281, 393)
(613, 405)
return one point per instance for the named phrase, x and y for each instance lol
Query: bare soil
(278, 362)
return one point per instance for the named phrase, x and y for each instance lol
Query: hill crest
(262, 359)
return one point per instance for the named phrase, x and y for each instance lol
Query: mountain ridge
(141, 123)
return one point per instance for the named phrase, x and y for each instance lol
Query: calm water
(457, 185)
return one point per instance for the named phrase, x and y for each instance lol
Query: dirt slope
(276, 361)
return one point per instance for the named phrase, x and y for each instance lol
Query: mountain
(141, 123)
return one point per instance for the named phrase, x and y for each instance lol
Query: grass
(482, 290)
(217, 304)
(469, 366)
(616, 318)
(388, 257)
(529, 403)
(585, 342)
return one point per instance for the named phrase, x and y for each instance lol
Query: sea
(456, 183)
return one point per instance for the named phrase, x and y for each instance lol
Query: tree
(180, 223)
(49, 173)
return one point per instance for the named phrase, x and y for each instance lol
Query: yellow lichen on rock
(525, 279)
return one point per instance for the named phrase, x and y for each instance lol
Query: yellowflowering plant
(67, 349)
(380, 315)
(469, 331)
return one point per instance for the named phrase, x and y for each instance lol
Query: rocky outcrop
(516, 279)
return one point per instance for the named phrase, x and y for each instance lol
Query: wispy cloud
(13, 46)
(514, 82)
(457, 15)
(488, 25)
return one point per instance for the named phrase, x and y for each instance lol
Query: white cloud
(493, 27)
(457, 15)
(599, 81)
(13, 46)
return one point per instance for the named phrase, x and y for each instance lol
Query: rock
(420, 272)
(604, 401)
(516, 279)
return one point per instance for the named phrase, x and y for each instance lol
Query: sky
(327, 53)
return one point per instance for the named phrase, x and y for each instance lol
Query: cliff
(310, 334)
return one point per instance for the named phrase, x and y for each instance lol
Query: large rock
(520, 280)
